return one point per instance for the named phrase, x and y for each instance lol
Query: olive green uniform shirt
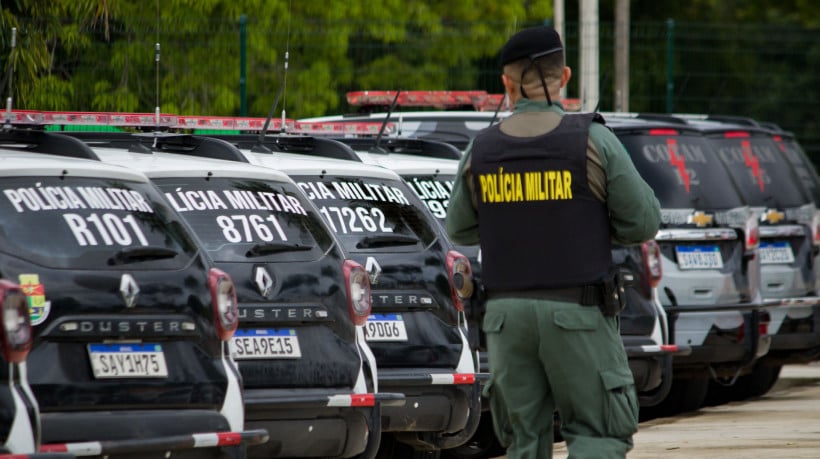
(633, 208)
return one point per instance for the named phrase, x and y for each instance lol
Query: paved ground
(784, 424)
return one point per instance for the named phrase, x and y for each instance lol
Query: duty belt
(587, 295)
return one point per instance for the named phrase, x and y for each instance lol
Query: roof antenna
(260, 147)
(10, 76)
(156, 63)
(376, 147)
(156, 109)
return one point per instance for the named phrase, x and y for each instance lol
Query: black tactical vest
(540, 225)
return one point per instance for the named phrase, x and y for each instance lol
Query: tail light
(16, 329)
(763, 325)
(223, 300)
(359, 301)
(461, 278)
(652, 262)
(815, 228)
(752, 234)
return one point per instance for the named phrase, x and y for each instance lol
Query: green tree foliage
(745, 57)
(100, 54)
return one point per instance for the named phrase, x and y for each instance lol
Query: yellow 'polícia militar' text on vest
(505, 187)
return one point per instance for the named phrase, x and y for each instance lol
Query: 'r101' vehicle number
(107, 229)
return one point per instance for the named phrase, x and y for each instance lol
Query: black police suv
(417, 329)
(708, 242)
(308, 374)
(130, 319)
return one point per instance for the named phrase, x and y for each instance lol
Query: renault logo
(772, 216)
(263, 279)
(373, 269)
(129, 290)
(700, 219)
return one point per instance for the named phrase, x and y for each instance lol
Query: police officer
(545, 193)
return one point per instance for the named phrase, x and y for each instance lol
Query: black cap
(533, 43)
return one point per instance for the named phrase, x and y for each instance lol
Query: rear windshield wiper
(260, 250)
(369, 242)
(134, 254)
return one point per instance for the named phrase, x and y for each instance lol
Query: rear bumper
(722, 352)
(798, 337)
(145, 434)
(316, 424)
(443, 408)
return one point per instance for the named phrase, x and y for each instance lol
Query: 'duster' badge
(38, 306)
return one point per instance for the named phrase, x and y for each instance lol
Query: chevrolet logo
(700, 219)
(772, 216)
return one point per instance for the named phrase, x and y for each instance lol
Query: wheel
(392, 449)
(482, 445)
(758, 382)
(685, 394)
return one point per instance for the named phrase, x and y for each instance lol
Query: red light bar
(340, 128)
(441, 99)
(660, 131)
(736, 135)
(777, 138)
(107, 119)
(22, 117)
(479, 100)
(218, 123)
(230, 123)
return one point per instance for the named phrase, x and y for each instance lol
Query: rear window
(370, 213)
(802, 166)
(682, 170)
(434, 191)
(247, 220)
(91, 223)
(762, 174)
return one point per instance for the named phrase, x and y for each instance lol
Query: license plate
(265, 344)
(776, 252)
(127, 361)
(699, 257)
(385, 327)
